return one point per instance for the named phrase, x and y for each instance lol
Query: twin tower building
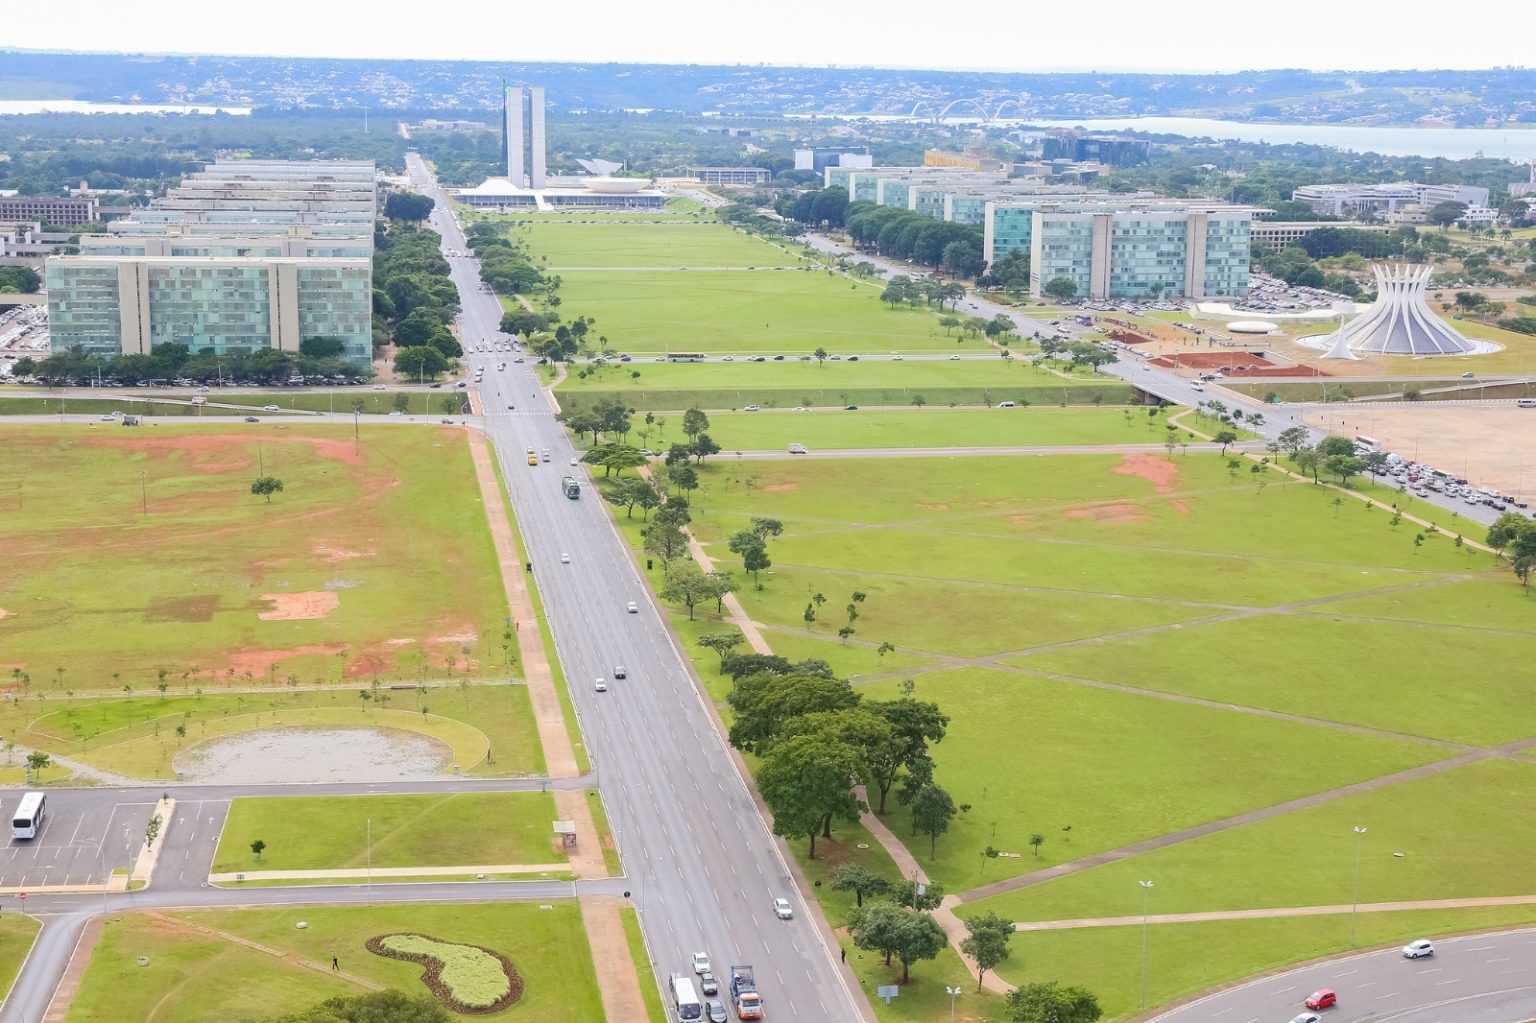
(522, 134)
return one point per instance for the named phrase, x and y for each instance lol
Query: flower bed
(468, 979)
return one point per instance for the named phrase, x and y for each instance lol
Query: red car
(1323, 999)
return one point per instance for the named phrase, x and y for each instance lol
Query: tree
(754, 553)
(401, 401)
(806, 781)
(257, 847)
(1060, 289)
(1506, 529)
(1052, 1003)
(916, 723)
(1035, 842)
(1343, 466)
(1293, 438)
(686, 584)
(408, 206)
(374, 1007)
(695, 422)
(266, 486)
(722, 643)
(861, 881)
(1308, 460)
(703, 446)
(893, 931)
(37, 761)
(932, 810)
(420, 362)
(906, 893)
(987, 943)
(764, 702)
(1330, 446)
(820, 355)
(1225, 438)
(1444, 214)
(685, 477)
(664, 539)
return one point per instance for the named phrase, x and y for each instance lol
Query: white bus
(685, 999)
(1367, 443)
(29, 815)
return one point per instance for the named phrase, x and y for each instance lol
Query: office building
(1277, 234)
(50, 209)
(243, 255)
(732, 175)
(1354, 200)
(967, 161)
(1118, 247)
(1113, 150)
(522, 134)
(819, 158)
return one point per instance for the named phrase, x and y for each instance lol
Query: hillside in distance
(1446, 98)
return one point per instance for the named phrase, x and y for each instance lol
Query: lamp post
(953, 992)
(1355, 903)
(1146, 890)
(144, 492)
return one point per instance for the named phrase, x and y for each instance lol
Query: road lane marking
(1505, 959)
(1367, 983)
(1389, 994)
(1442, 983)
(1348, 973)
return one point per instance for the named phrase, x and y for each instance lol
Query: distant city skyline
(1124, 35)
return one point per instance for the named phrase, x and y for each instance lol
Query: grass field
(488, 728)
(792, 383)
(17, 932)
(931, 428)
(1054, 577)
(175, 406)
(194, 975)
(374, 562)
(678, 209)
(765, 312)
(1183, 959)
(654, 1012)
(317, 833)
(688, 243)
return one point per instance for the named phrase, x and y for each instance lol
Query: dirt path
(1286, 911)
(64, 994)
(617, 980)
(292, 958)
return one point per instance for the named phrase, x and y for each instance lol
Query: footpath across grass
(194, 976)
(453, 830)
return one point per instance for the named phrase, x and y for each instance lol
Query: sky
(1013, 35)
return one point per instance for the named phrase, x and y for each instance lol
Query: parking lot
(86, 835)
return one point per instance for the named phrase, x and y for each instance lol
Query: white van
(1526, 403)
(1005, 404)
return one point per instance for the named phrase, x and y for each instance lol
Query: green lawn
(375, 562)
(17, 932)
(931, 428)
(317, 833)
(1184, 959)
(1450, 835)
(654, 1012)
(687, 243)
(194, 976)
(647, 385)
(1156, 766)
(745, 312)
(138, 737)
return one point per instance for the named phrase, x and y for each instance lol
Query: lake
(75, 106)
(1453, 143)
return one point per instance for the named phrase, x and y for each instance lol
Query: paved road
(705, 869)
(1490, 977)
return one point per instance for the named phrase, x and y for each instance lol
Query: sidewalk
(359, 874)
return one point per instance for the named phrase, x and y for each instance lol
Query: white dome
(1250, 327)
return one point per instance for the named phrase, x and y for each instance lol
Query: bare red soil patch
(335, 555)
(1109, 513)
(933, 507)
(257, 663)
(1160, 472)
(782, 486)
(288, 607)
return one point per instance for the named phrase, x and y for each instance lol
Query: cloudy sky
(1191, 35)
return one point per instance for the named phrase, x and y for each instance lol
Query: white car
(1417, 949)
(954, 358)
(701, 963)
(565, 559)
(751, 408)
(378, 387)
(600, 686)
(783, 910)
(397, 412)
(270, 408)
(633, 608)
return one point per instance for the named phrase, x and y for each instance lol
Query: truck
(749, 1004)
(572, 487)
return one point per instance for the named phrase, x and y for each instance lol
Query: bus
(685, 999)
(29, 815)
(685, 357)
(1367, 443)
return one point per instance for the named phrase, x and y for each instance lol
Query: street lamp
(1146, 890)
(953, 992)
(1355, 904)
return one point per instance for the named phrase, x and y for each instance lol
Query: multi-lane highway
(704, 869)
(1485, 977)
